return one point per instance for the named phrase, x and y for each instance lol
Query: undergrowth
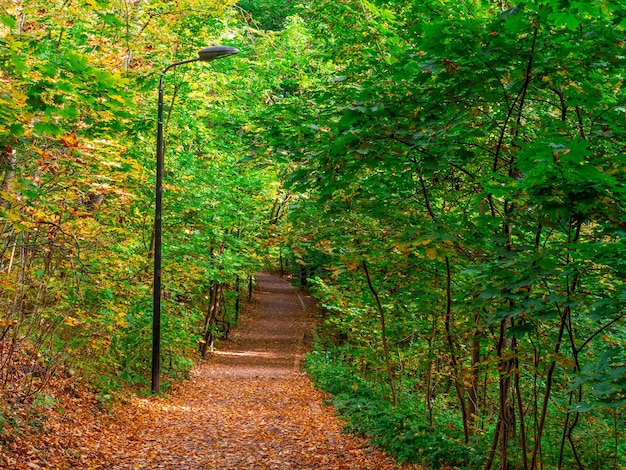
(403, 432)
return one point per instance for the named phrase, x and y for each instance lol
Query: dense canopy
(447, 177)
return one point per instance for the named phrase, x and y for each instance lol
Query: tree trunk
(381, 312)
(214, 305)
(472, 391)
(458, 385)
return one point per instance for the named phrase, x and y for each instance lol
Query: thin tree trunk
(460, 389)
(429, 386)
(214, 302)
(505, 427)
(472, 392)
(381, 312)
(520, 409)
(546, 396)
(237, 298)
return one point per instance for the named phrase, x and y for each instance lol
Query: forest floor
(249, 406)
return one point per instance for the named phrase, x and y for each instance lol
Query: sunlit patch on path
(248, 407)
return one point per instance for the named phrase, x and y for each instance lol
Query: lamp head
(215, 52)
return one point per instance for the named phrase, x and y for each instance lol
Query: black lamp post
(204, 55)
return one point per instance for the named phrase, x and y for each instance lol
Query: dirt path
(248, 407)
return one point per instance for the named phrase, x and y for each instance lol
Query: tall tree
(473, 153)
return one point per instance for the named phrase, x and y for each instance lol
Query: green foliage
(402, 432)
(470, 156)
(269, 15)
(77, 138)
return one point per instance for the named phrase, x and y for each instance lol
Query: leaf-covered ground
(248, 407)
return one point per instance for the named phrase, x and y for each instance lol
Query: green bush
(401, 431)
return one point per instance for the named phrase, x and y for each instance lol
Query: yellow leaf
(431, 253)
(69, 140)
(71, 321)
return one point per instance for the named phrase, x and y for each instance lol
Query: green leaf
(77, 62)
(8, 21)
(17, 129)
(69, 112)
(47, 128)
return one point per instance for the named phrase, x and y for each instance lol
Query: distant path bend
(270, 342)
(248, 407)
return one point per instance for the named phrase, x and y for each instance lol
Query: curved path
(248, 407)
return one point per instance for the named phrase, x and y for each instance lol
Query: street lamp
(204, 55)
